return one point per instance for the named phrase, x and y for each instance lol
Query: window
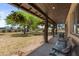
(76, 21)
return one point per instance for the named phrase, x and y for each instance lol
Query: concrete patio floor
(45, 49)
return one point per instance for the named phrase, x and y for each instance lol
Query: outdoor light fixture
(53, 8)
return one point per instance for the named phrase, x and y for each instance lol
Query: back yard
(19, 44)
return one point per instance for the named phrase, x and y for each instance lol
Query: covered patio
(53, 13)
(49, 12)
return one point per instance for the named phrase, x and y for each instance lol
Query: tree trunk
(27, 28)
(24, 30)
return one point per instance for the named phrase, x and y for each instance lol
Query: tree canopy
(23, 19)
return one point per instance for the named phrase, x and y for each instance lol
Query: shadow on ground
(20, 35)
(2, 34)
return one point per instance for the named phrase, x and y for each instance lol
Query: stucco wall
(69, 22)
(69, 27)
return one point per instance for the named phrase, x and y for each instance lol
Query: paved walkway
(45, 49)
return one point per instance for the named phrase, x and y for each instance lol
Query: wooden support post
(53, 31)
(56, 28)
(46, 31)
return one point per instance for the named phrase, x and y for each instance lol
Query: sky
(5, 9)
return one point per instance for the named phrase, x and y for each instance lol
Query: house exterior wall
(69, 23)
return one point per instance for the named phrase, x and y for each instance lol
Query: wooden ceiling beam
(38, 9)
(28, 10)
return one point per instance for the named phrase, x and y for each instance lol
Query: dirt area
(18, 44)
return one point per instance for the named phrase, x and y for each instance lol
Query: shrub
(3, 31)
(9, 31)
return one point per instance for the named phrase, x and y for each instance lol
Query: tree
(35, 21)
(23, 19)
(16, 18)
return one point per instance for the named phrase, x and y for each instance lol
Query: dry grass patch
(10, 45)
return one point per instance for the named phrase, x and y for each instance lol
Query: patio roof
(55, 12)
